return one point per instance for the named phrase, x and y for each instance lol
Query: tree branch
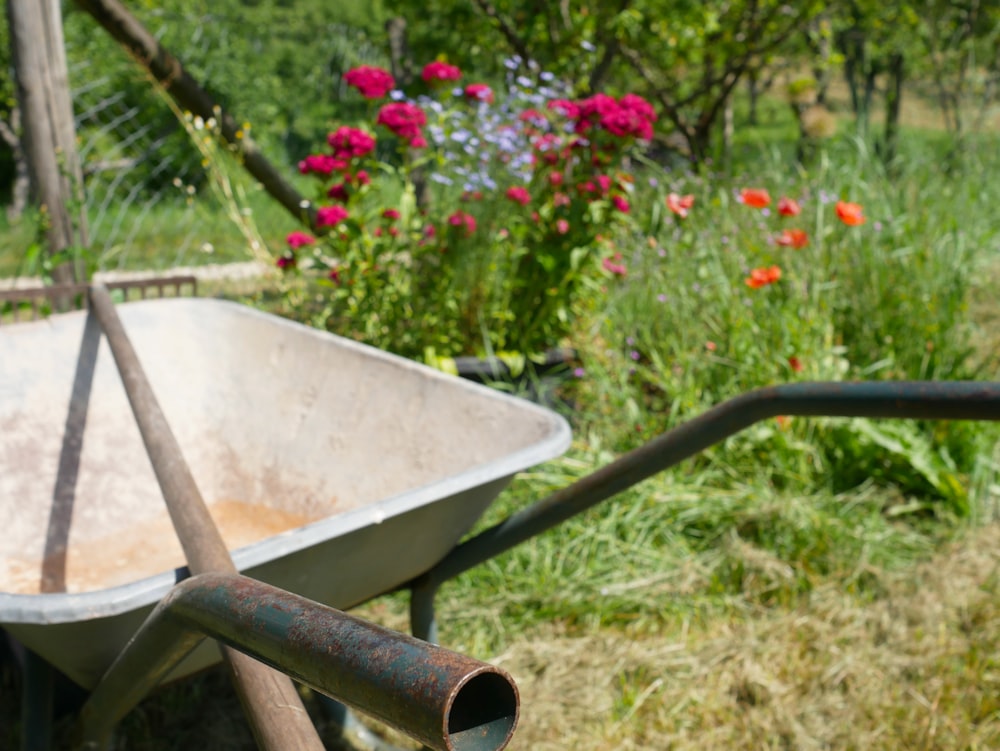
(513, 39)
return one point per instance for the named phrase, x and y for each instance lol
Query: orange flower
(788, 206)
(755, 198)
(792, 238)
(680, 204)
(762, 277)
(850, 214)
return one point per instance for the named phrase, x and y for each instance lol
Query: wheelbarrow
(364, 380)
(321, 468)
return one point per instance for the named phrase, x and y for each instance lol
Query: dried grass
(913, 668)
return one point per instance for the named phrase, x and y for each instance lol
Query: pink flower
(405, 120)
(373, 83)
(299, 239)
(350, 142)
(594, 109)
(285, 262)
(621, 203)
(623, 123)
(463, 219)
(638, 105)
(533, 117)
(338, 192)
(321, 164)
(330, 216)
(564, 106)
(519, 194)
(438, 71)
(361, 178)
(612, 265)
(555, 179)
(604, 183)
(480, 92)
(391, 214)
(562, 226)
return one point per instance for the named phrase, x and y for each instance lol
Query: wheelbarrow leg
(36, 703)
(423, 621)
(351, 732)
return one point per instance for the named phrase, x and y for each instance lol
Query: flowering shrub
(487, 228)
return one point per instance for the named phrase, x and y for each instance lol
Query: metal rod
(926, 400)
(274, 708)
(438, 697)
(36, 703)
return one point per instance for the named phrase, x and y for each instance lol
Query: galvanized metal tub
(333, 470)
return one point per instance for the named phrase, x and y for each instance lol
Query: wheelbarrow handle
(443, 699)
(926, 400)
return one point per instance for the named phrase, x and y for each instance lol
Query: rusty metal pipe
(438, 697)
(272, 705)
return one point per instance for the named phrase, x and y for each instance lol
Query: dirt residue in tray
(144, 549)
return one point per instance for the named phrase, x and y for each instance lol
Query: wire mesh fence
(159, 191)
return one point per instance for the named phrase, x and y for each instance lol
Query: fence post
(49, 136)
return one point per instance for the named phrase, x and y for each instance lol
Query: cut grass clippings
(914, 668)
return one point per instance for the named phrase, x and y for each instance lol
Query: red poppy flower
(795, 364)
(680, 205)
(788, 206)
(755, 198)
(763, 276)
(850, 214)
(792, 238)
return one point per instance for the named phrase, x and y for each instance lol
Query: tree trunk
(893, 101)
(753, 90)
(49, 139)
(399, 51)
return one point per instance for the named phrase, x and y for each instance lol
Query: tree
(689, 55)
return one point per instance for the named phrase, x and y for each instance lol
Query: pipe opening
(483, 714)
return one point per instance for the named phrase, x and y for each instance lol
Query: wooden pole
(49, 137)
(278, 719)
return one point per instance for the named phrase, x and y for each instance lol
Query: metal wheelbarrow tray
(333, 470)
